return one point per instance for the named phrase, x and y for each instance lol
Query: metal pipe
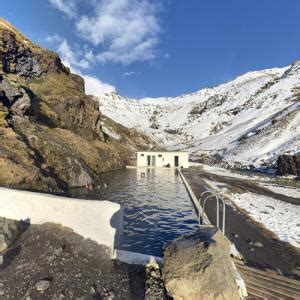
(204, 202)
(224, 211)
(218, 212)
(218, 198)
(203, 193)
(200, 208)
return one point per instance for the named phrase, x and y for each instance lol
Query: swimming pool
(157, 207)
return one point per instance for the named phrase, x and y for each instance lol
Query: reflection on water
(157, 208)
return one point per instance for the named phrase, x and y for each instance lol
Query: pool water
(157, 207)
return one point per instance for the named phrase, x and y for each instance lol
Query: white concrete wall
(163, 159)
(101, 221)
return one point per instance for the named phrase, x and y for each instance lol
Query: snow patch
(279, 217)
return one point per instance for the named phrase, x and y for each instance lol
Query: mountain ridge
(203, 122)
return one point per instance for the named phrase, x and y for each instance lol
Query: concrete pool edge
(101, 221)
(135, 258)
(194, 198)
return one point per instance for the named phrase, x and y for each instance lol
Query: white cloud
(129, 73)
(68, 7)
(81, 58)
(94, 86)
(121, 31)
(71, 59)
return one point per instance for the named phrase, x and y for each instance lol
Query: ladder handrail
(218, 198)
(203, 193)
(203, 208)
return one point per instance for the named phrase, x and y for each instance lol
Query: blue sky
(146, 48)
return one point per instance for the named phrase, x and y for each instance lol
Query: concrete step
(266, 293)
(264, 285)
(264, 274)
(292, 287)
(257, 294)
(267, 285)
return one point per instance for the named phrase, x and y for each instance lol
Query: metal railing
(212, 195)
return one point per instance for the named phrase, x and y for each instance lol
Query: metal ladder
(212, 195)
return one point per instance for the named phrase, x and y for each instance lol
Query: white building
(172, 159)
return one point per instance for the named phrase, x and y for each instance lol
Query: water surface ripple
(157, 208)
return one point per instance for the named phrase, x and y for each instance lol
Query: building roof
(162, 151)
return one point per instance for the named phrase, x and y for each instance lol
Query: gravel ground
(52, 262)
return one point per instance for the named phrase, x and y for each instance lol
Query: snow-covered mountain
(249, 120)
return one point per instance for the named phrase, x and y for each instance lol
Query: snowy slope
(249, 120)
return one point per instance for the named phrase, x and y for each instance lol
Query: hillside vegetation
(53, 135)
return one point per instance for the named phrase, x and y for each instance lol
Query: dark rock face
(25, 58)
(15, 98)
(287, 165)
(16, 59)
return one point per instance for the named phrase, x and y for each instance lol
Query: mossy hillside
(18, 167)
(57, 139)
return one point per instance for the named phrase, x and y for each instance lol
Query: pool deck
(241, 230)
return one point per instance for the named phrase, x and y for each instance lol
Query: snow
(224, 172)
(279, 217)
(111, 133)
(284, 190)
(249, 120)
(287, 191)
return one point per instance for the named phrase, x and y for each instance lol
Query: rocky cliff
(52, 135)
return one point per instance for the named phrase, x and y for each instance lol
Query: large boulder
(287, 165)
(199, 266)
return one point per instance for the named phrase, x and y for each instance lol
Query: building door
(148, 160)
(176, 161)
(153, 160)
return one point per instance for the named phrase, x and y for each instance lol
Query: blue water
(157, 207)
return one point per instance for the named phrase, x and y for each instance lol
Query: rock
(58, 251)
(21, 106)
(1, 260)
(279, 272)
(199, 267)
(154, 275)
(287, 165)
(92, 291)
(154, 283)
(110, 295)
(3, 244)
(15, 98)
(6, 230)
(258, 244)
(296, 271)
(42, 285)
